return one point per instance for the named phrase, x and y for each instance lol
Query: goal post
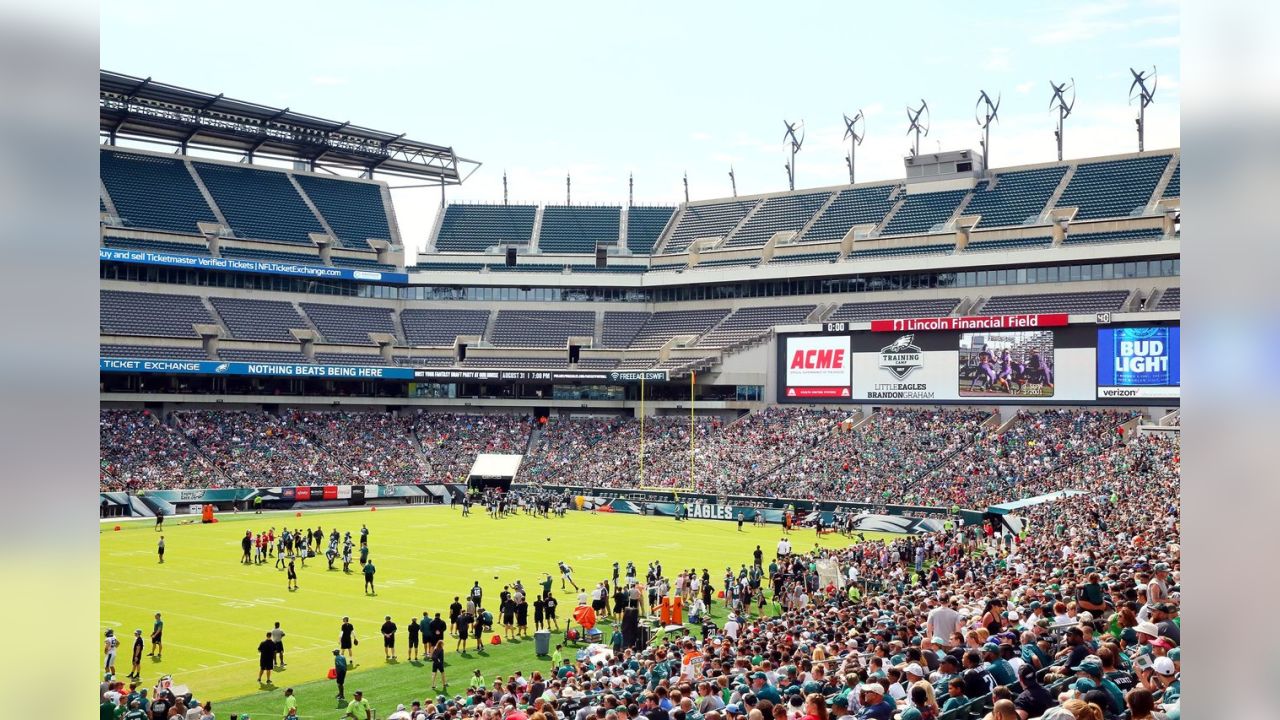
(693, 448)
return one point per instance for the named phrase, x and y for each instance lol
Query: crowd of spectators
(138, 452)
(1027, 459)
(730, 461)
(450, 442)
(726, 458)
(877, 460)
(254, 447)
(929, 457)
(607, 452)
(1074, 616)
(374, 447)
(222, 448)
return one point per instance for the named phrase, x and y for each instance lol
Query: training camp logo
(902, 357)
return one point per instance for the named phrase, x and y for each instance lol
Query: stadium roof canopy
(142, 109)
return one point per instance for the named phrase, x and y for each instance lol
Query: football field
(216, 610)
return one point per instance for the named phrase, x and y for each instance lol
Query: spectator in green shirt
(1091, 596)
(955, 696)
(359, 708)
(290, 702)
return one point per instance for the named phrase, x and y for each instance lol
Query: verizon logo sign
(969, 323)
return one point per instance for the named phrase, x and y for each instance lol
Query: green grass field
(216, 610)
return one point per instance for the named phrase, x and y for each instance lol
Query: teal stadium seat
(645, 225)
(578, 228)
(922, 211)
(777, 214)
(855, 206)
(1113, 189)
(711, 220)
(259, 204)
(155, 193)
(1016, 198)
(476, 228)
(354, 210)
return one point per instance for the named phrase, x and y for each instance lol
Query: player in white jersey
(110, 645)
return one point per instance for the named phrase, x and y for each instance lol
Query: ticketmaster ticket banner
(816, 366)
(1139, 362)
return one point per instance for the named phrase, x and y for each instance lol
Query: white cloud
(700, 136)
(997, 59)
(1090, 21)
(1024, 88)
(1083, 22)
(1164, 41)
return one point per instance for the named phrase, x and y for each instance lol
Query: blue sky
(601, 90)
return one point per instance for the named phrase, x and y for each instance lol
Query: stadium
(905, 447)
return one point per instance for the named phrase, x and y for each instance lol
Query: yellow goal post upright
(693, 438)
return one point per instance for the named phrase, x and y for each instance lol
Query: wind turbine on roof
(1063, 106)
(921, 129)
(854, 137)
(984, 119)
(795, 143)
(1145, 96)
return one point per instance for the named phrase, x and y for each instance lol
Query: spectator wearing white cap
(874, 704)
(1163, 680)
(1147, 631)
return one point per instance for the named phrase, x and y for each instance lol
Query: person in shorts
(551, 612)
(157, 638)
(437, 665)
(414, 631)
(277, 637)
(266, 658)
(464, 626)
(347, 639)
(389, 639)
(340, 672)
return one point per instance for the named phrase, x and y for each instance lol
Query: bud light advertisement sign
(1139, 362)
